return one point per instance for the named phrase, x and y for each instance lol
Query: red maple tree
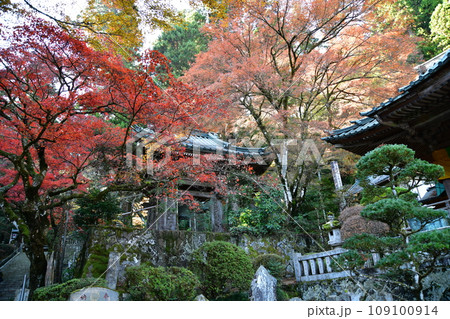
(66, 116)
(296, 68)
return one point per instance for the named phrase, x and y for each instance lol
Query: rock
(113, 269)
(200, 298)
(94, 294)
(296, 299)
(263, 286)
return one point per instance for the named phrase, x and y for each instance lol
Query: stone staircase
(13, 272)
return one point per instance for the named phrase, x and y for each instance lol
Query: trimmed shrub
(61, 292)
(146, 282)
(272, 262)
(185, 283)
(223, 268)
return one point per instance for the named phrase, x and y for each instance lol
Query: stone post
(216, 215)
(112, 272)
(338, 183)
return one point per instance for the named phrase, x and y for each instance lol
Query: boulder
(94, 294)
(263, 286)
(201, 298)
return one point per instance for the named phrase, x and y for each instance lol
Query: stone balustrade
(318, 266)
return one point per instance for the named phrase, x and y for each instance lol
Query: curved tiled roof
(208, 143)
(359, 126)
(444, 59)
(412, 104)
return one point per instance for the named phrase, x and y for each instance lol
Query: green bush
(146, 282)
(185, 281)
(223, 268)
(61, 292)
(282, 295)
(262, 216)
(272, 262)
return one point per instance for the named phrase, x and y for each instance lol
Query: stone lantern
(333, 227)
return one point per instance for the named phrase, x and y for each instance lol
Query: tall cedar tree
(56, 96)
(296, 68)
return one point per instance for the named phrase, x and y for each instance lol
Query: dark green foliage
(373, 193)
(223, 268)
(430, 245)
(390, 211)
(319, 199)
(145, 282)
(397, 161)
(235, 296)
(282, 295)
(406, 253)
(93, 210)
(351, 260)
(262, 212)
(422, 11)
(5, 227)
(61, 292)
(186, 283)
(440, 26)
(372, 243)
(6, 250)
(182, 43)
(273, 263)
(97, 262)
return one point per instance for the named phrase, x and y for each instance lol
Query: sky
(72, 8)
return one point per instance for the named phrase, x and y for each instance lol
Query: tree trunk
(38, 262)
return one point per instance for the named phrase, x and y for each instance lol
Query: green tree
(421, 11)
(408, 256)
(182, 43)
(440, 26)
(261, 212)
(93, 210)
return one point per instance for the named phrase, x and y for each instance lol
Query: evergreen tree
(408, 255)
(181, 44)
(440, 26)
(421, 11)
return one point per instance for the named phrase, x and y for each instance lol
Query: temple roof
(210, 143)
(418, 116)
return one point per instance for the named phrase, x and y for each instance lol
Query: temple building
(169, 214)
(419, 117)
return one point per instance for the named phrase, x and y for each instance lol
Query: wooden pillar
(446, 183)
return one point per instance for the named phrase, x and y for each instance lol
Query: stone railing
(318, 266)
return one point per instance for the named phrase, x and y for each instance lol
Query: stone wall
(436, 288)
(126, 248)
